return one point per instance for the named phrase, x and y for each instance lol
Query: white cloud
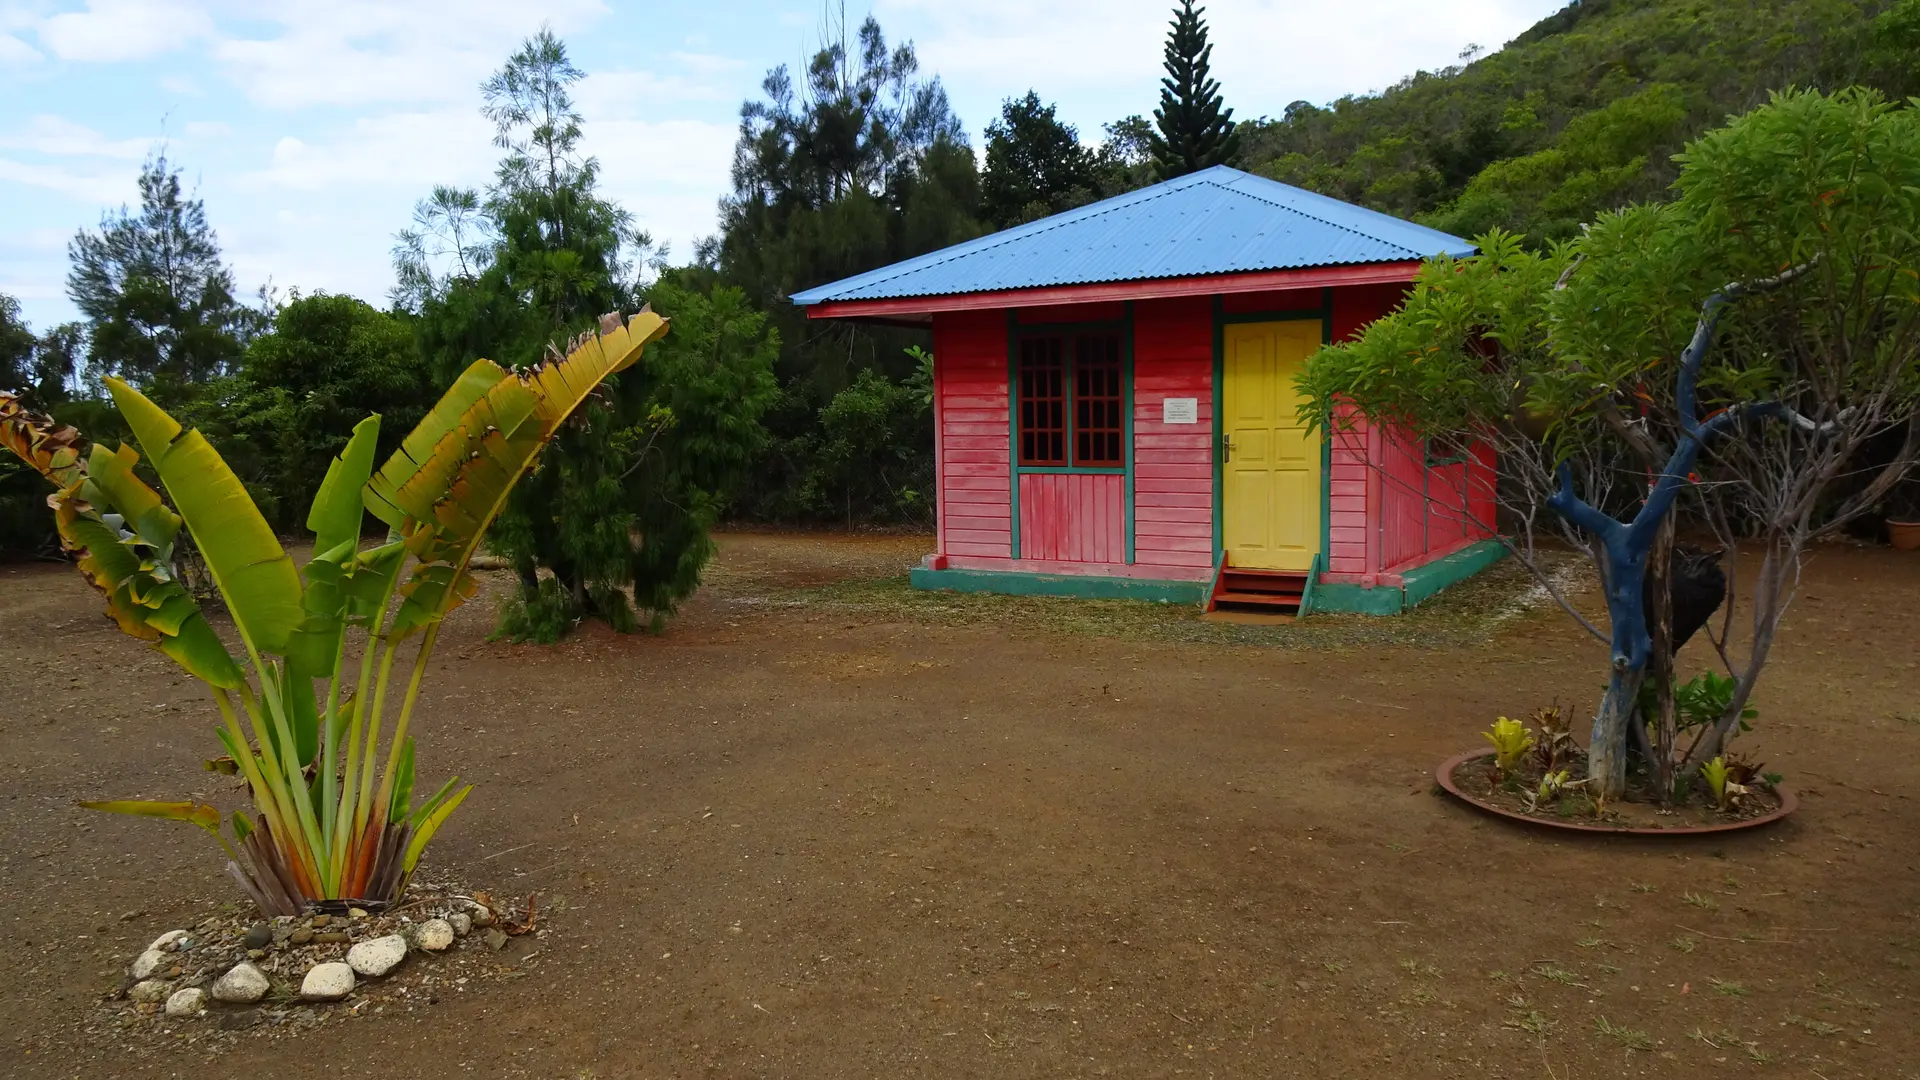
(636, 93)
(181, 84)
(106, 187)
(1266, 54)
(15, 51)
(358, 52)
(113, 30)
(60, 137)
(411, 150)
(670, 173)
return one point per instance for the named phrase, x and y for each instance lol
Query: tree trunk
(1612, 727)
(1660, 661)
(1626, 576)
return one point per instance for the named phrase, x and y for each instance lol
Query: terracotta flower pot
(1904, 535)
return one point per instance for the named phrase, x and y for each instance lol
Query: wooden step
(1277, 592)
(1261, 599)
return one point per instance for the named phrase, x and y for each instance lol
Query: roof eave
(1147, 289)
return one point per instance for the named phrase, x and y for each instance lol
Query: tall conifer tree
(1193, 131)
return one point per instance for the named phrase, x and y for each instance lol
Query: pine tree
(1194, 132)
(158, 300)
(616, 516)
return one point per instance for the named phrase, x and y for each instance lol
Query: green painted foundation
(1085, 587)
(1416, 585)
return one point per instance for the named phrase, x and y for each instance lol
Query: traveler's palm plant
(332, 820)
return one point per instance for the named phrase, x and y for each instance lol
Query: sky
(311, 127)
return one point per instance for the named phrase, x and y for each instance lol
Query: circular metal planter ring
(1444, 775)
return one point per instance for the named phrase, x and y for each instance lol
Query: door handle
(1226, 446)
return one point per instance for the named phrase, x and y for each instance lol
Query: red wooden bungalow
(1114, 410)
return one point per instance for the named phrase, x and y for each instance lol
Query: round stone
(258, 937)
(167, 942)
(377, 957)
(189, 1002)
(461, 922)
(243, 984)
(482, 915)
(327, 982)
(150, 991)
(434, 935)
(300, 936)
(148, 963)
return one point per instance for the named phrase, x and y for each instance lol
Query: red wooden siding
(1073, 517)
(1349, 507)
(1172, 463)
(971, 448)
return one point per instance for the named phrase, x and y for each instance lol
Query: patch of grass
(1701, 901)
(1415, 967)
(1468, 613)
(1641, 886)
(1684, 944)
(1727, 987)
(1591, 942)
(1723, 1039)
(1334, 966)
(1631, 1038)
(1555, 974)
(1812, 1026)
(1533, 1022)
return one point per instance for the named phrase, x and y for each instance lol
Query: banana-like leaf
(111, 473)
(53, 451)
(452, 495)
(339, 507)
(128, 567)
(430, 825)
(402, 795)
(242, 826)
(254, 574)
(207, 817)
(425, 810)
(383, 488)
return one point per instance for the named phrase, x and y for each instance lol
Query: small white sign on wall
(1179, 410)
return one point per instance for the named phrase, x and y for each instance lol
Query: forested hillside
(1582, 112)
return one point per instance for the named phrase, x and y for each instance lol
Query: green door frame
(1221, 319)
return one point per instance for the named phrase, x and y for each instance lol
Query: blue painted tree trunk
(1625, 546)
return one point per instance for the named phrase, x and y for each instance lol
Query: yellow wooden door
(1271, 492)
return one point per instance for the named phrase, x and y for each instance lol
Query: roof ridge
(1276, 204)
(1025, 229)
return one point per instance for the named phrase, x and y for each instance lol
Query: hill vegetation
(1581, 113)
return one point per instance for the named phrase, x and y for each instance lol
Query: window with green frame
(1072, 401)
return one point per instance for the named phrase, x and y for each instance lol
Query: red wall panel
(974, 503)
(1172, 463)
(1073, 517)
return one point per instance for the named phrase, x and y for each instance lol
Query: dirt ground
(824, 826)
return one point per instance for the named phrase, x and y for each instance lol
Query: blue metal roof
(1216, 221)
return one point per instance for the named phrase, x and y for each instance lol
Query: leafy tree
(1124, 161)
(1192, 131)
(327, 362)
(159, 304)
(618, 512)
(1619, 376)
(1035, 165)
(36, 370)
(870, 449)
(1599, 162)
(856, 164)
